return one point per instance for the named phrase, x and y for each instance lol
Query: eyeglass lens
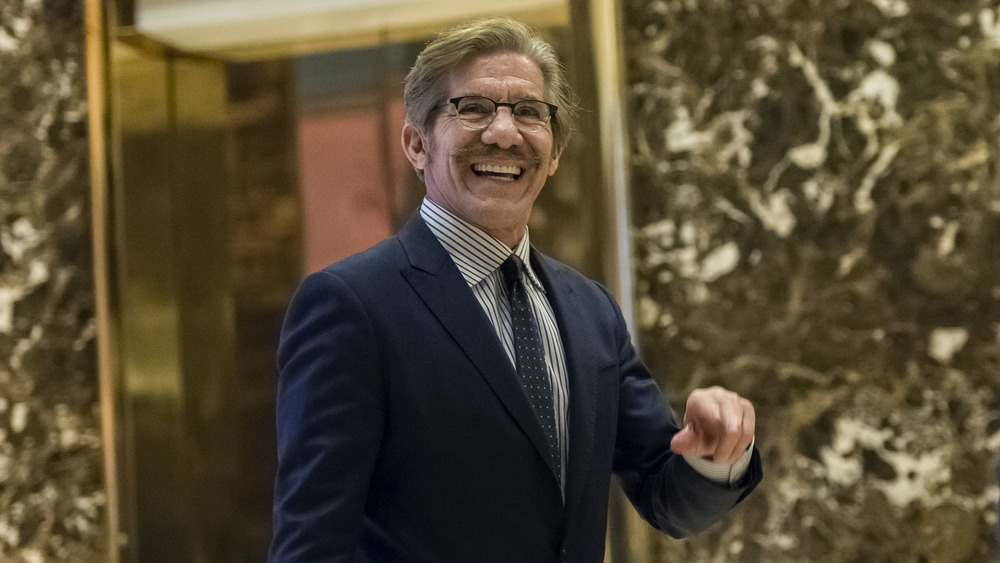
(478, 111)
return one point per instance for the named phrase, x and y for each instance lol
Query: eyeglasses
(477, 112)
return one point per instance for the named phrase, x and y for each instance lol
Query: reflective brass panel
(176, 322)
(149, 356)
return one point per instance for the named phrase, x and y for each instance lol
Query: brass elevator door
(228, 177)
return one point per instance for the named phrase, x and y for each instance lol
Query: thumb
(685, 442)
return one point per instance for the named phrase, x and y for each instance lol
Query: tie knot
(511, 270)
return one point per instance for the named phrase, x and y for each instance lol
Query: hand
(718, 426)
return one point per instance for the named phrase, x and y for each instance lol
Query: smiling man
(484, 169)
(452, 394)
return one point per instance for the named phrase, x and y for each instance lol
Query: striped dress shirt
(478, 257)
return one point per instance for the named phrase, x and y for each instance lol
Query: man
(442, 401)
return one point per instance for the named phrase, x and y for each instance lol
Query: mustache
(485, 152)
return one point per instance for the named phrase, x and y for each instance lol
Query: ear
(415, 146)
(554, 163)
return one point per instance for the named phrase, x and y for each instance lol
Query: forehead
(498, 75)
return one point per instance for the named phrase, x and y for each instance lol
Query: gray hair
(427, 82)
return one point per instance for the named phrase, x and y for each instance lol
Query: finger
(750, 421)
(730, 439)
(704, 408)
(749, 426)
(711, 411)
(691, 440)
(744, 434)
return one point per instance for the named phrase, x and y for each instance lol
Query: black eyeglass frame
(497, 105)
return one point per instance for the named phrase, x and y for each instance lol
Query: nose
(502, 131)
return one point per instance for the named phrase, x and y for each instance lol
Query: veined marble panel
(816, 192)
(52, 502)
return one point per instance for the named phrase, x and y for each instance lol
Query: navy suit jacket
(405, 435)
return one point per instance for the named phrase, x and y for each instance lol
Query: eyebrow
(481, 95)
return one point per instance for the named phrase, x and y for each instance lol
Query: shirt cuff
(723, 473)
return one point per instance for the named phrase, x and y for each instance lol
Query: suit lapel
(435, 278)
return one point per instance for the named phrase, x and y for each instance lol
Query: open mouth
(498, 171)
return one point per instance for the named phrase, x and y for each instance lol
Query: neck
(511, 237)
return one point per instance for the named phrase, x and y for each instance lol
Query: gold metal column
(104, 304)
(600, 22)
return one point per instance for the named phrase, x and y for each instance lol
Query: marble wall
(52, 504)
(816, 192)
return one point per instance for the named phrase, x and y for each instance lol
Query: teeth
(497, 169)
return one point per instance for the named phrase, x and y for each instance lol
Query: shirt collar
(476, 253)
(523, 251)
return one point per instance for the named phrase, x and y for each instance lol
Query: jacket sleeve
(666, 491)
(329, 423)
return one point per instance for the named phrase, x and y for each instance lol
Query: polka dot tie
(530, 356)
